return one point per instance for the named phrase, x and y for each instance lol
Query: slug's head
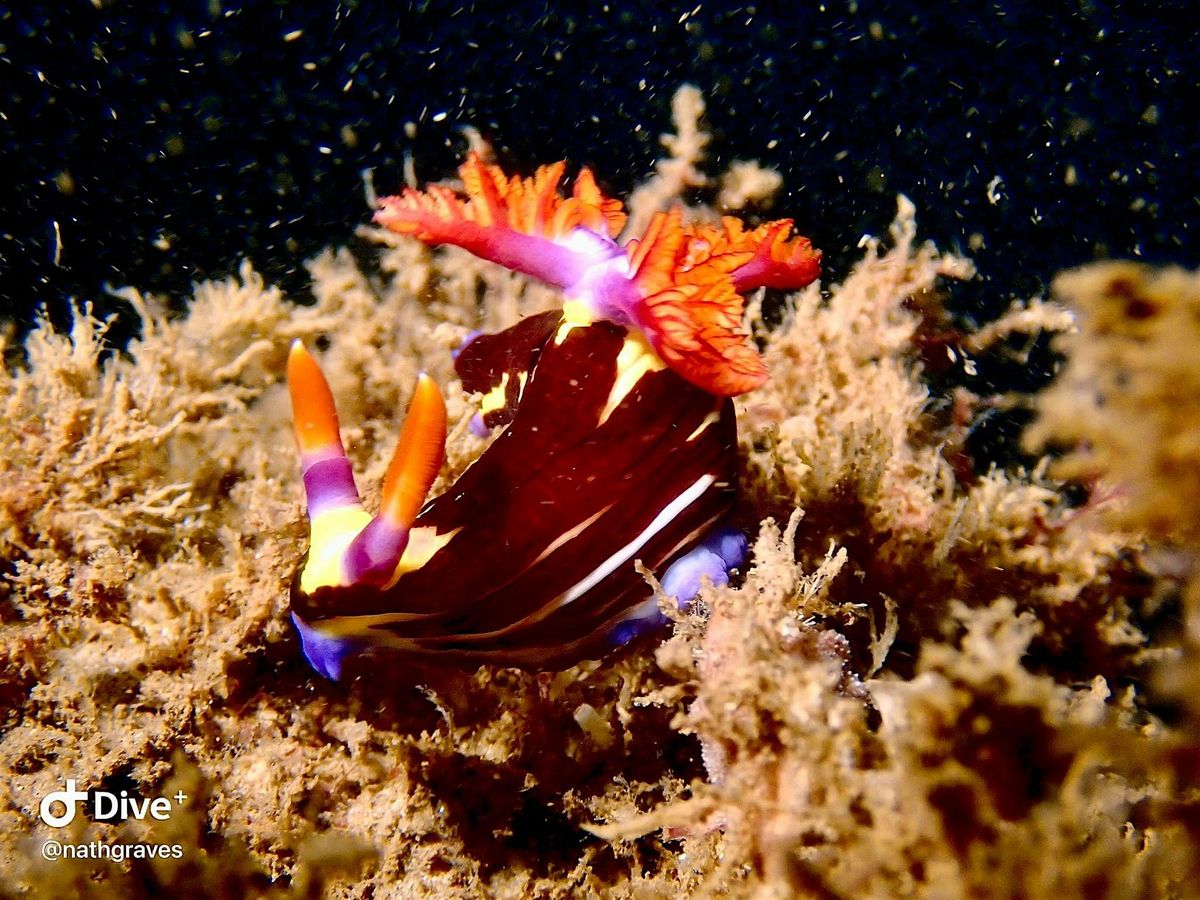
(349, 549)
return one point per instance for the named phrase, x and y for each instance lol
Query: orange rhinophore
(314, 414)
(418, 456)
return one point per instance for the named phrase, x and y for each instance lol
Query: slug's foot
(713, 558)
(326, 654)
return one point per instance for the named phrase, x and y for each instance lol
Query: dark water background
(166, 141)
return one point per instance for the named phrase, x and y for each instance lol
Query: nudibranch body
(619, 440)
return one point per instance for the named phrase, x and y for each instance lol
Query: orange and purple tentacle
(374, 553)
(347, 546)
(328, 479)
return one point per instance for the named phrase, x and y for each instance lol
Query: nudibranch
(619, 441)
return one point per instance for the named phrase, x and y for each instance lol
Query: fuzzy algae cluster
(929, 683)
